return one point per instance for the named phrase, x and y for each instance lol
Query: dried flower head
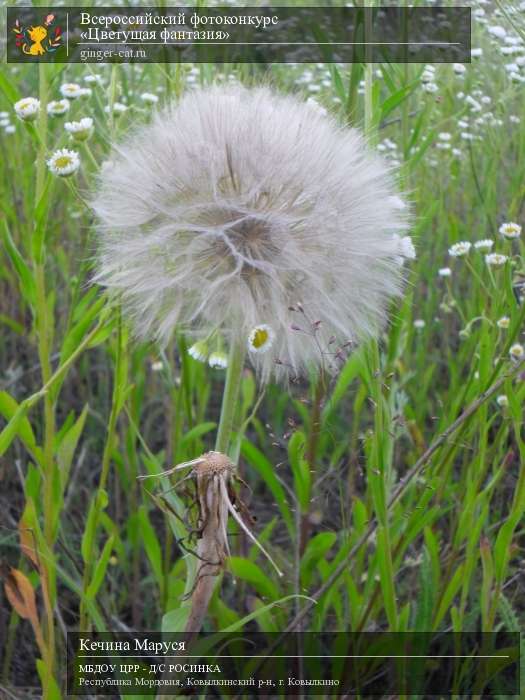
(235, 204)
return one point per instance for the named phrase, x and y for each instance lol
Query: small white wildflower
(485, 244)
(502, 400)
(497, 31)
(4, 123)
(510, 230)
(118, 108)
(476, 53)
(456, 152)
(463, 124)
(85, 92)
(430, 87)
(157, 366)
(458, 68)
(444, 136)
(514, 119)
(517, 351)
(92, 79)
(80, 130)
(71, 90)
(459, 249)
(495, 259)
(503, 322)
(10, 129)
(445, 272)
(218, 360)
(56, 108)
(4, 115)
(419, 323)
(64, 162)
(467, 136)
(27, 109)
(199, 351)
(261, 338)
(149, 98)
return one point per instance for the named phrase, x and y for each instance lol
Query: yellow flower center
(260, 337)
(63, 162)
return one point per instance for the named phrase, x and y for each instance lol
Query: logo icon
(40, 39)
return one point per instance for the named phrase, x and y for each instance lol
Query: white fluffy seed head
(234, 205)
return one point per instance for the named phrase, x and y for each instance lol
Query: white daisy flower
(118, 108)
(80, 130)
(458, 68)
(149, 98)
(92, 79)
(503, 322)
(261, 338)
(27, 109)
(71, 90)
(218, 360)
(199, 351)
(64, 162)
(496, 259)
(445, 272)
(485, 244)
(510, 230)
(430, 87)
(459, 249)
(56, 108)
(517, 351)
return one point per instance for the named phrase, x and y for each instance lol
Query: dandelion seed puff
(236, 203)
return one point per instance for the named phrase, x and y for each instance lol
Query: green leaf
(100, 570)
(300, 469)
(448, 596)
(266, 471)
(68, 444)
(151, 544)
(249, 571)
(25, 276)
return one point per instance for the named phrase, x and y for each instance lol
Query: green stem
(231, 395)
(44, 327)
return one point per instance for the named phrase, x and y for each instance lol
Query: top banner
(238, 35)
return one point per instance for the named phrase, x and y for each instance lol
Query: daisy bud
(27, 109)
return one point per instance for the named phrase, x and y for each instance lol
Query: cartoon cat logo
(36, 41)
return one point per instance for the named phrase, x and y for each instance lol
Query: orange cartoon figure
(38, 40)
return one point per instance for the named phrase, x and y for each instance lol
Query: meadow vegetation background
(84, 410)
